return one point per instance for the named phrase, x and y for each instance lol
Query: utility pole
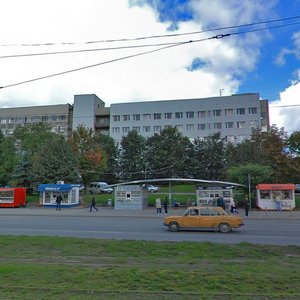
(221, 90)
(249, 188)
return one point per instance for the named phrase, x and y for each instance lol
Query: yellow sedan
(198, 217)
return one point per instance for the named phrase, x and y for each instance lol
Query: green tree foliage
(108, 145)
(8, 160)
(132, 156)
(28, 141)
(55, 162)
(254, 172)
(168, 154)
(294, 143)
(209, 162)
(89, 154)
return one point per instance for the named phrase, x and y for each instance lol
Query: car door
(191, 218)
(207, 217)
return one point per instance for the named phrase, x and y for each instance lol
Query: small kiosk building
(69, 193)
(130, 197)
(269, 194)
(209, 195)
(12, 197)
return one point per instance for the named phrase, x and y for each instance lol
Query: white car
(152, 188)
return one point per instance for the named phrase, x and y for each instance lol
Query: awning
(55, 187)
(278, 186)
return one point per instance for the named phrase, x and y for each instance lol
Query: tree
(55, 162)
(88, 153)
(294, 143)
(28, 140)
(209, 160)
(168, 154)
(8, 160)
(108, 146)
(132, 156)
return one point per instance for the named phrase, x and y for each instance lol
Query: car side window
(194, 212)
(205, 212)
(214, 212)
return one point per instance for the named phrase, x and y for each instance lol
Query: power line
(152, 36)
(219, 36)
(141, 46)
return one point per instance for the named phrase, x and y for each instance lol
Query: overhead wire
(152, 36)
(219, 36)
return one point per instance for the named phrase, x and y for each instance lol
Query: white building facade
(233, 116)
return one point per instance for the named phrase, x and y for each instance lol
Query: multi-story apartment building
(58, 117)
(90, 111)
(233, 116)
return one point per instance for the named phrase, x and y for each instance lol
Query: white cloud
(160, 75)
(285, 111)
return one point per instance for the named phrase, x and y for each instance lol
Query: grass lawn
(72, 268)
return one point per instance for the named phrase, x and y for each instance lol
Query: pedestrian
(59, 199)
(232, 204)
(188, 202)
(246, 206)
(166, 205)
(278, 201)
(158, 206)
(221, 202)
(93, 203)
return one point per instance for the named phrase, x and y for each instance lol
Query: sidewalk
(145, 213)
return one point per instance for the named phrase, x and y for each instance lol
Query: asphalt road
(262, 231)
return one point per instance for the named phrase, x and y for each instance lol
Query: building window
(136, 128)
(241, 124)
(217, 125)
(125, 129)
(252, 110)
(168, 115)
(229, 112)
(156, 129)
(179, 128)
(189, 114)
(217, 112)
(45, 118)
(201, 114)
(116, 118)
(146, 128)
(229, 124)
(126, 117)
(190, 127)
(136, 117)
(157, 116)
(253, 124)
(178, 115)
(201, 126)
(146, 116)
(116, 129)
(240, 111)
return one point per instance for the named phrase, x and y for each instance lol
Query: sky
(176, 64)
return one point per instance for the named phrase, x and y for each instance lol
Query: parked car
(200, 217)
(100, 187)
(152, 188)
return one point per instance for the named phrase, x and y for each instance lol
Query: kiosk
(209, 195)
(130, 197)
(12, 197)
(269, 196)
(69, 193)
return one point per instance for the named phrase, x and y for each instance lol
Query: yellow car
(199, 217)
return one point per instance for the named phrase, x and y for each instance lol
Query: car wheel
(224, 228)
(173, 226)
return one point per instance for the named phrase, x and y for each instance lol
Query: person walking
(93, 204)
(278, 201)
(166, 205)
(158, 206)
(246, 206)
(59, 199)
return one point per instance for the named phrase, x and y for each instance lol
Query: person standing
(158, 206)
(246, 206)
(278, 201)
(59, 199)
(93, 203)
(166, 205)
